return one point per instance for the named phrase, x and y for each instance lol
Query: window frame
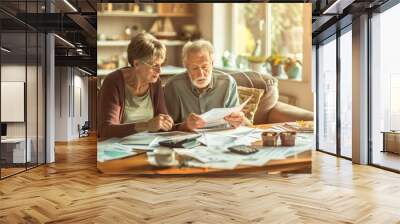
(266, 42)
(333, 37)
(371, 13)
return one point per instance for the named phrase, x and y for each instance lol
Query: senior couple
(132, 99)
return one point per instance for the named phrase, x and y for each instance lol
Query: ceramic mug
(165, 156)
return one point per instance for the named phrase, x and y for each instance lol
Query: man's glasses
(154, 67)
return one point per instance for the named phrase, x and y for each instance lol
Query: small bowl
(270, 138)
(288, 138)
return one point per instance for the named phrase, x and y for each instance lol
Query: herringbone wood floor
(72, 191)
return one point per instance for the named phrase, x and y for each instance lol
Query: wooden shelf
(165, 70)
(112, 43)
(141, 14)
(124, 43)
(175, 15)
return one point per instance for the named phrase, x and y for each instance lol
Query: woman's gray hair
(196, 46)
(145, 47)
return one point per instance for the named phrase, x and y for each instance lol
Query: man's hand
(235, 119)
(193, 121)
(160, 122)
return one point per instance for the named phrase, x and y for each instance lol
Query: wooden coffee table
(138, 164)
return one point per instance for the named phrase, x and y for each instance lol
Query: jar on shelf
(149, 8)
(133, 7)
(107, 7)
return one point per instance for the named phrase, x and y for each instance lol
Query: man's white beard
(202, 85)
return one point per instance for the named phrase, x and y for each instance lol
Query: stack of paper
(111, 149)
(150, 140)
(213, 155)
(139, 139)
(218, 157)
(292, 127)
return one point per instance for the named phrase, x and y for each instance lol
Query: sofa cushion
(260, 81)
(283, 112)
(251, 107)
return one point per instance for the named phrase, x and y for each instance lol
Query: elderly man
(200, 89)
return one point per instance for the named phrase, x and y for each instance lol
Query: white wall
(205, 17)
(14, 73)
(33, 127)
(80, 100)
(214, 24)
(69, 82)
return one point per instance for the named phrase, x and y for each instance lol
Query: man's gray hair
(196, 46)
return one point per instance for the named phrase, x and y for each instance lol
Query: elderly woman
(131, 99)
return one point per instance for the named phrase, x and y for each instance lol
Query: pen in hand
(176, 124)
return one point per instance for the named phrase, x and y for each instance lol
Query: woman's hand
(235, 119)
(160, 122)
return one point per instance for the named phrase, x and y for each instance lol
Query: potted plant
(293, 68)
(276, 63)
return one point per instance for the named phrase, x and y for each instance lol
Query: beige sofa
(270, 110)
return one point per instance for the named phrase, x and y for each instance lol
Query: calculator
(242, 149)
(187, 143)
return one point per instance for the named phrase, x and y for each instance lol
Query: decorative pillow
(251, 107)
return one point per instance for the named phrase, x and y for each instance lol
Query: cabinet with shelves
(141, 14)
(124, 43)
(117, 20)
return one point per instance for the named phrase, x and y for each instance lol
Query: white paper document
(151, 139)
(111, 149)
(226, 165)
(211, 157)
(216, 141)
(221, 158)
(226, 138)
(203, 154)
(138, 139)
(216, 116)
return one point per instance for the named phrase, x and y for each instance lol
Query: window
(272, 32)
(286, 22)
(346, 94)
(250, 28)
(327, 96)
(22, 73)
(385, 84)
(327, 102)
